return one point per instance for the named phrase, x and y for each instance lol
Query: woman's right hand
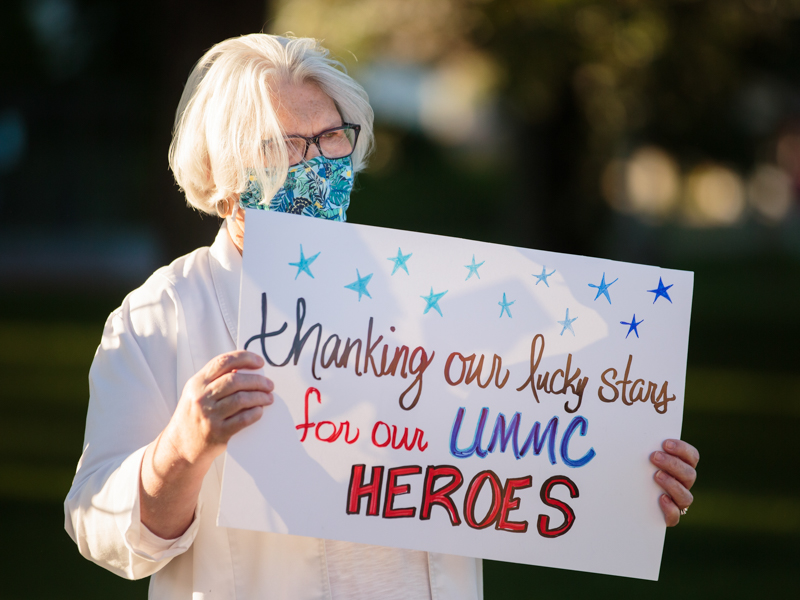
(217, 402)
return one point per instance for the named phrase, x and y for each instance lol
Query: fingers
(218, 401)
(230, 383)
(686, 452)
(240, 401)
(676, 467)
(679, 494)
(676, 476)
(243, 419)
(672, 513)
(228, 362)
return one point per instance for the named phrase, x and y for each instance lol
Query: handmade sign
(453, 396)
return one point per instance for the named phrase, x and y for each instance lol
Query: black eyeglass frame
(315, 140)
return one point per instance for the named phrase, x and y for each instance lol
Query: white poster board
(454, 396)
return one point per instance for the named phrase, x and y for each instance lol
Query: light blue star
(304, 263)
(400, 261)
(603, 288)
(632, 326)
(504, 307)
(543, 276)
(567, 323)
(661, 291)
(473, 268)
(360, 285)
(433, 302)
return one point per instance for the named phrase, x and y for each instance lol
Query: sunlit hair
(226, 112)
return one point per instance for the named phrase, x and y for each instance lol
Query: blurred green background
(664, 132)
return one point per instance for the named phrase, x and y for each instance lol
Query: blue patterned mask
(319, 187)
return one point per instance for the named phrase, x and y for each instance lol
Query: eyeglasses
(338, 142)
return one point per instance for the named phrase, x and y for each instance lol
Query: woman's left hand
(676, 475)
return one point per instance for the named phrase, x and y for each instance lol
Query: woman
(169, 389)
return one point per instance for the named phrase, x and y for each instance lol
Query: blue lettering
(538, 442)
(584, 424)
(505, 434)
(475, 448)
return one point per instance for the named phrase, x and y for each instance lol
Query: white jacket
(164, 332)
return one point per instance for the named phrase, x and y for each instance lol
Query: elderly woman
(271, 123)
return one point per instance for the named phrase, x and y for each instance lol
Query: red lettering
(404, 440)
(388, 435)
(332, 437)
(358, 489)
(474, 490)
(543, 524)
(335, 433)
(391, 438)
(392, 490)
(511, 503)
(309, 424)
(346, 425)
(442, 495)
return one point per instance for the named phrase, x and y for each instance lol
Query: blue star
(360, 285)
(632, 326)
(543, 276)
(567, 323)
(661, 291)
(400, 261)
(603, 288)
(433, 302)
(304, 263)
(504, 307)
(473, 268)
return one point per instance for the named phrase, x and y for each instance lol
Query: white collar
(226, 271)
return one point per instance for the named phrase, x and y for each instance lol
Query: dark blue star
(304, 263)
(632, 326)
(473, 268)
(543, 276)
(433, 302)
(504, 307)
(661, 291)
(360, 285)
(567, 323)
(400, 261)
(603, 288)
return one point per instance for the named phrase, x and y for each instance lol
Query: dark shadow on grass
(696, 564)
(41, 561)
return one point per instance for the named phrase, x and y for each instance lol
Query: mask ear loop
(231, 218)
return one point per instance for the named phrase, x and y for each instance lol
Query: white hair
(226, 114)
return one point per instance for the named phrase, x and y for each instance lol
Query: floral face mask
(319, 187)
